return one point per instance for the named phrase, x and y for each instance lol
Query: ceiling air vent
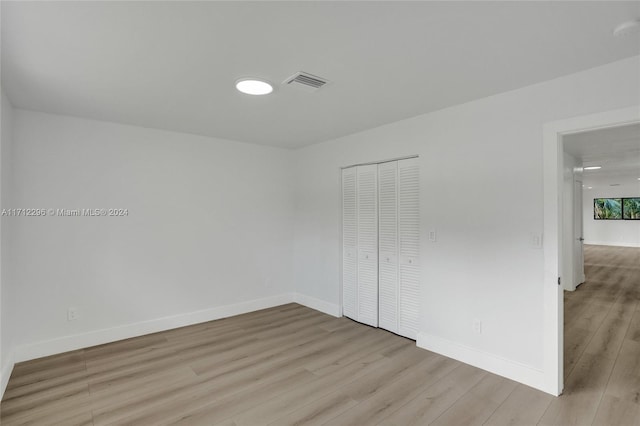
(306, 81)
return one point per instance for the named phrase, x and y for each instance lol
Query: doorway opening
(601, 249)
(563, 233)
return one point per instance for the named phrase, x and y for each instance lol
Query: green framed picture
(607, 208)
(631, 208)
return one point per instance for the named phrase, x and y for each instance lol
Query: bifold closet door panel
(349, 244)
(388, 245)
(367, 241)
(409, 246)
(381, 243)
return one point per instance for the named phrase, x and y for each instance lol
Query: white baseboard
(5, 373)
(613, 244)
(99, 337)
(317, 304)
(510, 369)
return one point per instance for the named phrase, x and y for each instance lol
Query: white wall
(610, 232)
(209, 225)
(6, 342)
(482, 190)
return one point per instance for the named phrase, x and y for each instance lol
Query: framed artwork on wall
(607, 208)
(631, 208)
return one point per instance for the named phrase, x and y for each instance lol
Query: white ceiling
(172, 65)
(616, 149)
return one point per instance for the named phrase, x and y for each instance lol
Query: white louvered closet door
(367, 240)
(388, 245)
(349, 244)
(409, 247)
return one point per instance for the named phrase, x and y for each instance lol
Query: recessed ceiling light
(252, 86)
(592, 168)
(591, 187)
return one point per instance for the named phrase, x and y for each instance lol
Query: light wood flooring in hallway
(291, 365)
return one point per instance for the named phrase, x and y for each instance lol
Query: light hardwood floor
(291, 365)
(602, 343)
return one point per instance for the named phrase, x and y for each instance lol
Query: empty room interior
(320, 213)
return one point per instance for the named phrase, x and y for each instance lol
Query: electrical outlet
(477, 326)
(72, 314)
(433, 236)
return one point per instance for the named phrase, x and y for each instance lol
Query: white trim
(606, 243)
(501, 366)
(319, 305)
(552, 172)
(107, 335)
(5, 373)
(341, 245)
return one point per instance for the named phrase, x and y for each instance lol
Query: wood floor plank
(576, 341)
(55, 384)
(397, 393)
(109, 410)
(477, 405)
(129, 390)
(287, 402)
(378, 380)
(41, 365)
(123, 346)
(436, 399)
(634, 326)
(593, 315)
(76, 416)
(226, 408)
(47, 373)
(624, 382)
(70, 403)
(317, 413)
(608, 339)
(369, 342)
(524, 406)
(615, 411)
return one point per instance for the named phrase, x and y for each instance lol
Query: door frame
(553, 294)
(578, 218)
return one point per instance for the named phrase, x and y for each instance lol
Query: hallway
(602, 342)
